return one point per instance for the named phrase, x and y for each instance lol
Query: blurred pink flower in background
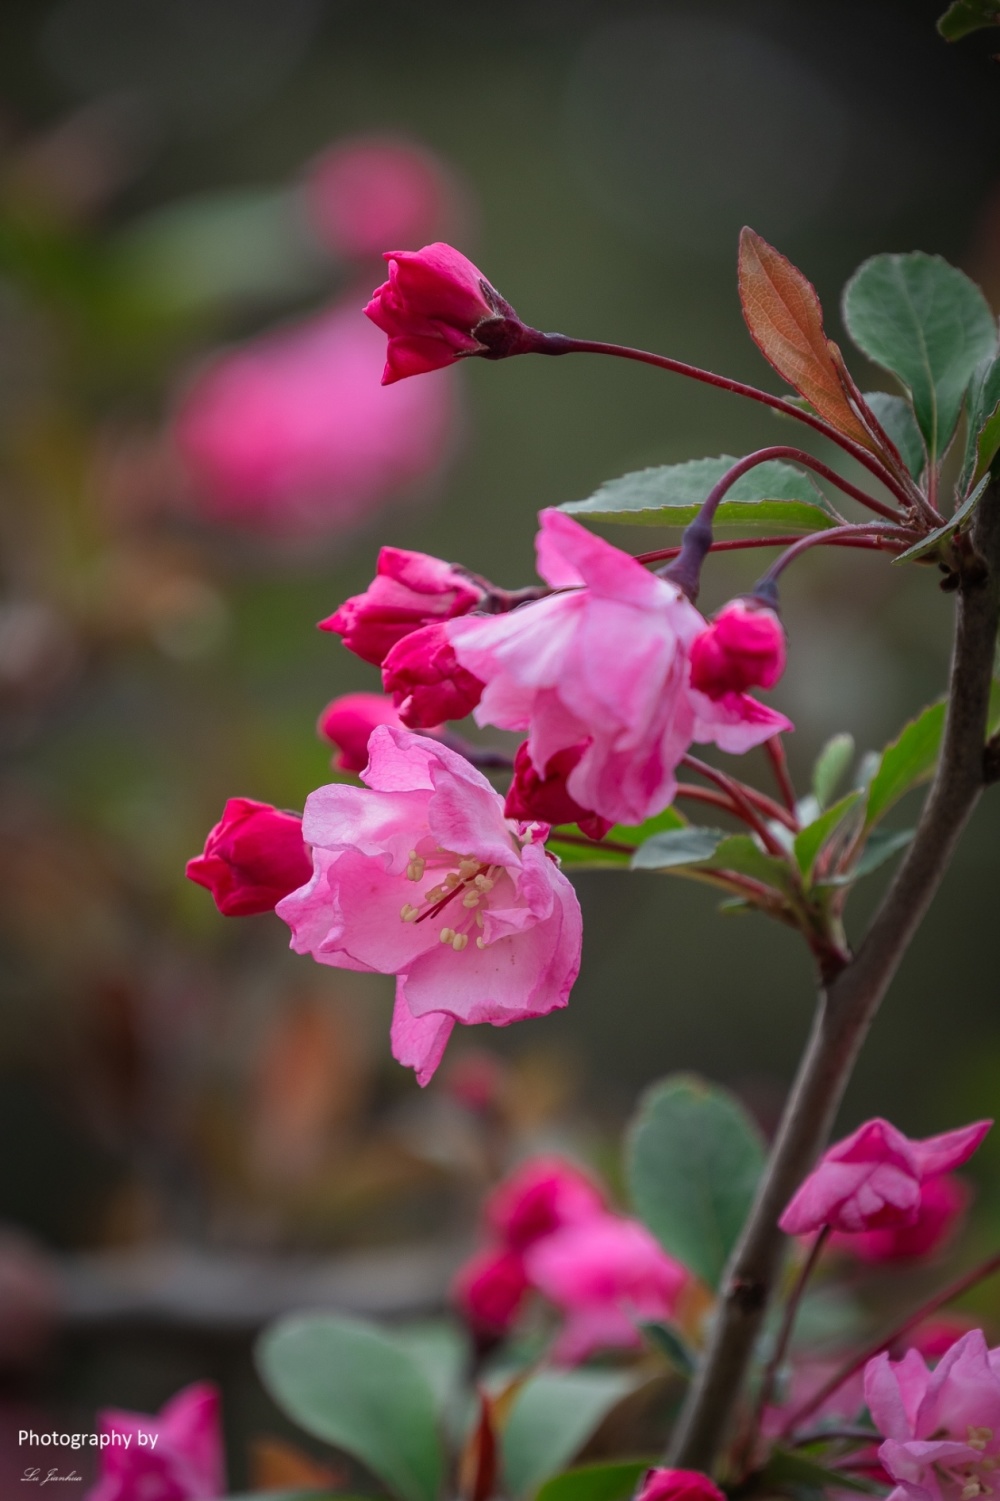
(541, 1196)
(292, 434)
(490, 1289)
(678, 1485)
(187, 1462)
(368, 192)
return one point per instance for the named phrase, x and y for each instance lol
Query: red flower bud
(434, 306)
(426, 681)
(253, 857)
(347, 723)
(940, 1211)
(409, 590)
(546, 798)
(743, 647)
(490, 1289)
(678, 1485)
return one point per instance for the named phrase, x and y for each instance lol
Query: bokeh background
(197, 464)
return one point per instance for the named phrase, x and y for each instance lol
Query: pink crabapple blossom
(420, 875)
(290, 434)
(678, 1485)
(253, 857)
(432, 307)
(540, 1196)
(347, 723)
(941, 1427)
(603, 662)
(872, 1179)
(490, 1289)
(187, 1462)
(426, 681)
(940, 1210)
(369, 191)
(409, 590)
(743, 647)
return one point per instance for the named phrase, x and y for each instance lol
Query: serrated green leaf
(831, 767)
(965, 16)
(929, 325)
(909, 760)
(693, 1159)
(614, 1482)
(932, 540)
(982, 440)
(895, 414)
(690, 846)
(668, 1341)
(553, 1416)
(350, 1384)
(812, 838)
(772, 494)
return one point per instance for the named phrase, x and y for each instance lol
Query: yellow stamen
(459, 942)
(480, 943)
(471, 899)
(408, 913)
(447, 935)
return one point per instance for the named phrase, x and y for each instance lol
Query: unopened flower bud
(547, 798)
(426, 681)
(490, 1289)
(437, 307)
(347, 723)
(678, 1485)
(409, 590)
(253, 857)
(743, 647)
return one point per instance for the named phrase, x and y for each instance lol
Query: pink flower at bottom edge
(187, 1462)
(678, 1485)
(420, 875)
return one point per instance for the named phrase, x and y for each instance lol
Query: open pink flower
(291, 434)
(187, 1462)
(432, 307)
(872, 1180)
(547, 797)
(678, 1485)
(607, 1274)
(941, 1427)
(426, 681)
(253, 857)
(743, 647)
(541, 1196)
(347, 724)
(409, 590)
(940, 1209)
(420, 875)
(604, 664)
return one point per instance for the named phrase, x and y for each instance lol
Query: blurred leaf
(880, 846)
(983, 410)
(812, 838)
(926, 323)
(895, 414)
(614, 1482)
(552, 1418)
(785, 319)
(965, 16)
(669, 1343)
(792, 1473)
(929, 543)
(441, 1350)
(348, 1383)
(276, 1465)
(690, 846)
(599, 855)
(772, 494)
(693, 1159)
(831, 766)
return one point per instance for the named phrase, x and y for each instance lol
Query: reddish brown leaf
(784, 316)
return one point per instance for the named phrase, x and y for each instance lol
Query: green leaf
(742, 854)
(690, 846)
(812, 838)
(441, 1350)
(553, 1416)
(693, 1159)
(668, 1341)
(931, 541)
(880, 846)
(614, 1482)
(965, 16)
(983, 407)
(907, 762)
(832, 765)
(348, 1383)
(600, 856)
(771, 495)
(926, 323)
(790, 1473)
(895, 414)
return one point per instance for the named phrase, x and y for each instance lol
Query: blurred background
(197, 463)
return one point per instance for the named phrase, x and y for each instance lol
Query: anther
(435, 894)
(471, 899)
(408, 913)
(447, 935)
(479, 919)
(451, 880)
(467, 868)
(459, 942)
(480, 943)
(979, 1437)
(483, 883)
(415, 867)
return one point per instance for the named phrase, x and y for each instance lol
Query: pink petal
(419, 1042)
(940, 1154)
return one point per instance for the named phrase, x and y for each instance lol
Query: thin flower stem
(563, 344)
(781, 1343)
(760, 800)
(857, 1435)
(946, 1295)
(739, 794)
(776, 754)
(806, 461)
(849, 1001)
(872, 533)
(737, 544)
(616, 848)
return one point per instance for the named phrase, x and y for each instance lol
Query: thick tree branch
(848, 1004)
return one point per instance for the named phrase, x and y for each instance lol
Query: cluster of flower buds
(550, 1231)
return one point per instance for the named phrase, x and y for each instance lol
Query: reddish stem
(776, 754)
(738, 543)
(870, 534)
(740, 797)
